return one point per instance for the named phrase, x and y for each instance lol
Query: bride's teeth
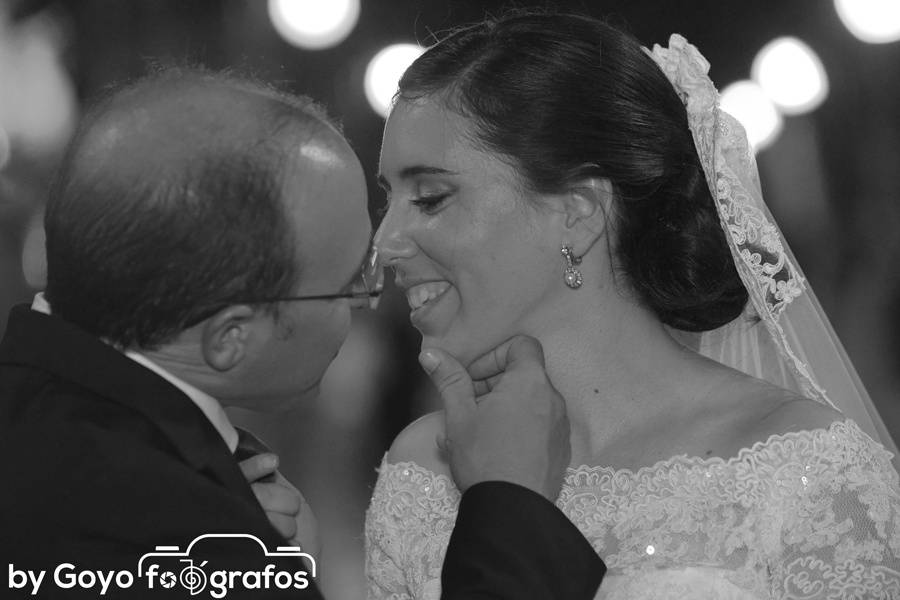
(420, 295)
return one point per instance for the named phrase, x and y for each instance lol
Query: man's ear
(587, 205)
(225, 336)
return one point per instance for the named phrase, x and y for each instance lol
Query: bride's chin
(465, 354)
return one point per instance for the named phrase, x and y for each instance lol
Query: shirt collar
(206, 403)
(40, 304)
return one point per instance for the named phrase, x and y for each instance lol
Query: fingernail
(429, 360)
(273, 461)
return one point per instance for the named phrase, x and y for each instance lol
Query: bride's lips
(423, 296)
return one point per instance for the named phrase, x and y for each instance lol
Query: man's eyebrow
(413, 171)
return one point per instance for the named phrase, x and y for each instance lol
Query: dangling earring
(572, 275)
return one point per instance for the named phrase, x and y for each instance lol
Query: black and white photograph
(450, 300)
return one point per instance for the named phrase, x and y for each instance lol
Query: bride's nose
(393, 241)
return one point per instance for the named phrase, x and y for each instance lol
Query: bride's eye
(430, 204)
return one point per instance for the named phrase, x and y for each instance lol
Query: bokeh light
(791, 74)
(38, 107)
(748, 103)
(314, 24)
(384, 72)
(872, 21)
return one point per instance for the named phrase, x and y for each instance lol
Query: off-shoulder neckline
(709, 461)
(847, 424)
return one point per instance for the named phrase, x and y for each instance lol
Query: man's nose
(392, 240)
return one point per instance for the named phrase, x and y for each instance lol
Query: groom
(204, 242)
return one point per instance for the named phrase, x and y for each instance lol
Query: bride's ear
(587, 205)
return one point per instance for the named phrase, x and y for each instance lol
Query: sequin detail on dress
(808, 514)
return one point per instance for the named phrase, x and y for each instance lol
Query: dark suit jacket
(103, 460)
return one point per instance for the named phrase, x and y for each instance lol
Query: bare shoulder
(799, 413)
(416, 443)
(780, 411)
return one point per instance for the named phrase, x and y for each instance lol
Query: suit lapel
(66, 351)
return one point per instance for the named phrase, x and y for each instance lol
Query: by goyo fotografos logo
(211, 565)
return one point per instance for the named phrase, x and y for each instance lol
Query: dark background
(831, 179)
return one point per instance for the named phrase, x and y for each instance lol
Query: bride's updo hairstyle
(566, 97)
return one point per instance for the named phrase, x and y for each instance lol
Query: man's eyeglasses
(368, 284)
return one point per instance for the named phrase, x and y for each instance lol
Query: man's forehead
(326, 197)
(320, 152)
(320, 169)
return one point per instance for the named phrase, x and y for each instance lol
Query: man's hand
(505, 420)
(285, 506)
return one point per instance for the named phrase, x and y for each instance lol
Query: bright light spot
(4, 148)
(37, 100)
(651, 550)
(748, 103)
(314, 24)
(791, 74)
(384, 72)
(872, 21)
(34, 255)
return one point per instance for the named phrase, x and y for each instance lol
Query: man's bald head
(187, 115)
(168, 204)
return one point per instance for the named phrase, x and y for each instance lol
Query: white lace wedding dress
(804, 515)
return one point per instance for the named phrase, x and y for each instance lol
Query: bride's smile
(474, 254)
(421, 294)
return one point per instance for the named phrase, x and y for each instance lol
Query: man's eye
(430, 204)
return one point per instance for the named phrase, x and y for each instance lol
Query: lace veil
(783, 336)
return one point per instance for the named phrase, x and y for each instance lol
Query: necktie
(249, 446)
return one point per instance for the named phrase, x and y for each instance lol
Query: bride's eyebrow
(413, 171)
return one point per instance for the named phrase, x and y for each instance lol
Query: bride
(548, 176)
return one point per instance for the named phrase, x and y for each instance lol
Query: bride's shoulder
(417, 443)
(775, 412)
(799, 412)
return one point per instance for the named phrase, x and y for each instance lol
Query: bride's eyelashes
(430, 204)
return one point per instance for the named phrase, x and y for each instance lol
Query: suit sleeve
(510, 542)
(88, 498)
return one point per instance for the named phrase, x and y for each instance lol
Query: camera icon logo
(169, 566)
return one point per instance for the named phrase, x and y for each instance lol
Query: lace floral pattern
(725, 155)
(772, 278)
(805, 515)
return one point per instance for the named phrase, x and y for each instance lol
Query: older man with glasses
(207, 238)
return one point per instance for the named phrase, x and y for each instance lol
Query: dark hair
(168, 205)
(565, 97)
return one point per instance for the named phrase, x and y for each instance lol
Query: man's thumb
(450, 378)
